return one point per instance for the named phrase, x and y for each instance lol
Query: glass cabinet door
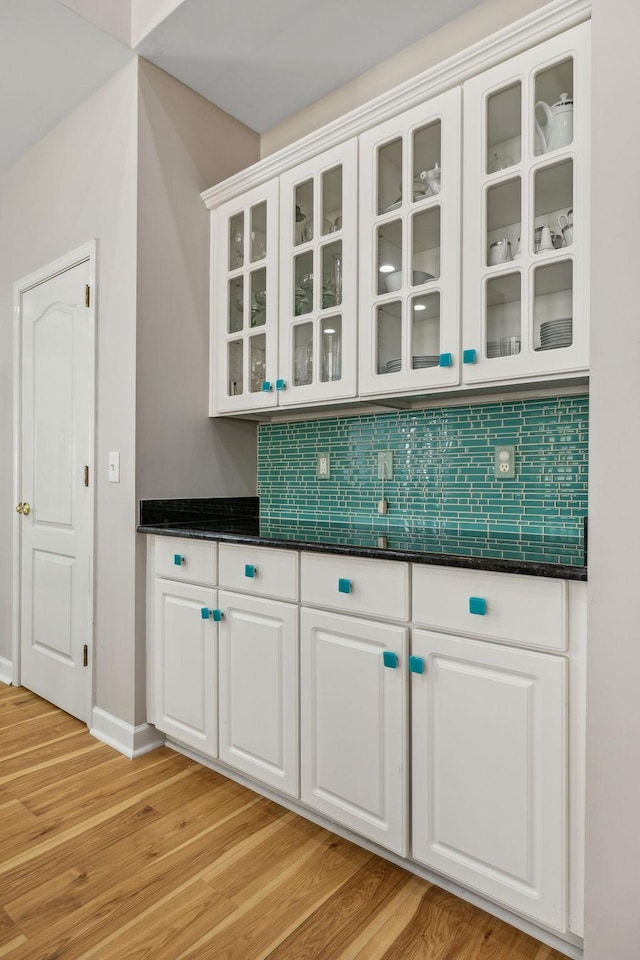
(526, 177)
(318, 269)
(409, 262)
(245, 301)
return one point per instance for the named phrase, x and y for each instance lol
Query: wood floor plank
(339, 921)
(160, 858)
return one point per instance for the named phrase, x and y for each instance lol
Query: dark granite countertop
(236, 520)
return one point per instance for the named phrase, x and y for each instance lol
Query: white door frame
(87, 252)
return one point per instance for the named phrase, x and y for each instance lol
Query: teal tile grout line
(443, 468)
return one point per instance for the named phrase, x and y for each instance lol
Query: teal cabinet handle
(250, 570)
(280, 384)
(217, 615)
(205, 613)
(469, 356)
(416, 664)
(344, 586)
(478, 605)
(390, 659)
(446, 360)
(178, 560)
(266, 386)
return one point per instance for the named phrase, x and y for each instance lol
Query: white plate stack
(420, 362)
(555, 334)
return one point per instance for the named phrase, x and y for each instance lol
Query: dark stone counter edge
(532, 568)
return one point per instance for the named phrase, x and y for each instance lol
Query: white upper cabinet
(409, 250)
(526, 214)
(244, 333)
(440, 249)
(318, 278)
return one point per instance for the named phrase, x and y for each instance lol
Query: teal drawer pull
(390, 659)
(469, 356)
(344, 586)
(478, 605)
(217, 615)
(446, 360)
(266, 386)
(416, 664)
(250, 570)
(280, 384)
(178, 560)
(205, 613)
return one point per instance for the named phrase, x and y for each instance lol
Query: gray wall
(185, 145)
(77, 183)
(613, 698)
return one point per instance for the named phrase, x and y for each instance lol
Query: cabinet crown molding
(549, 20)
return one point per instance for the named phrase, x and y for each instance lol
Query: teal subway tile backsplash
(443, 462)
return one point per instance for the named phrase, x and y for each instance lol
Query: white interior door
(56, 524)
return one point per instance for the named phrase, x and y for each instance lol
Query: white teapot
(558, 131)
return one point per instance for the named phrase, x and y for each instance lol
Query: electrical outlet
(385, 465)
(505, 461)
(323, 466)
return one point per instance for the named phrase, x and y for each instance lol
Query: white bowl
(393, 281)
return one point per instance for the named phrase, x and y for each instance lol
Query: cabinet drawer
(194, 561)
(528, 611)
(259, 570)
(378, 588)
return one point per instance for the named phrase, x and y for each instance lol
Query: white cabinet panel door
(259, 689)
(186, 658)
(489, 752)
(354, 725)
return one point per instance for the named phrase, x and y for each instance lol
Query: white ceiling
(260, 60)
(50, 61)
(263, 60)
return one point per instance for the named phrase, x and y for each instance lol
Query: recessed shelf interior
(389, 175)
(503, 296)
(425, 328)
(257, 361)
(331, 183)
(303, 354)
(236, 241)
(553, 198)
(549, 85)
(552, 296)
(258, 232)
(258, 286)
(389, 241)
(504, 216)
(389, 337)
(236, 304)
(331, 258)
(504, 128)
(303, 212)
(425, 228)
(303, 283)
(331, 349)
(427, 152)
(235, 352)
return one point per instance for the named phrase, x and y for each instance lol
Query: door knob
(20, 508)
(26, 510)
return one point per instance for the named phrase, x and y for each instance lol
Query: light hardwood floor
(161, 859)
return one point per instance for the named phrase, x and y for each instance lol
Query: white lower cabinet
(185, 650)
(354, 724)
(489, 763)
(258, 689)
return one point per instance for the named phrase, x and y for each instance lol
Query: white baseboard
(122, 736)
(6, 671)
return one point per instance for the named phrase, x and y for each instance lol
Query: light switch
(114, 467)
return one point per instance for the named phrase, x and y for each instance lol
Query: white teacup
(567, 233)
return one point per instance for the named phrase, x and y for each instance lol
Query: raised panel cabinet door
(258, 661)
(244, 302)
(354, 715)
(318, 278)
(526, 214)
(186, 664)
(409, 288)
(489, 762)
